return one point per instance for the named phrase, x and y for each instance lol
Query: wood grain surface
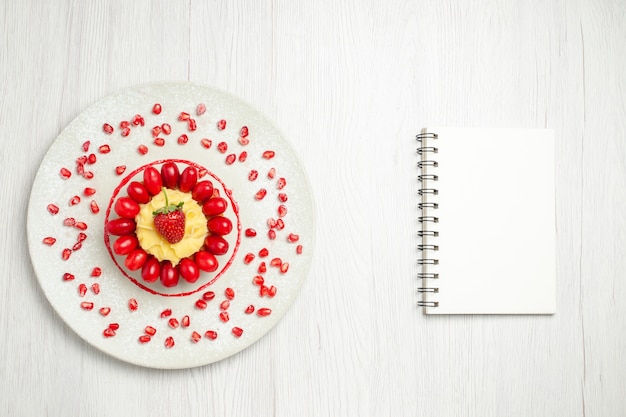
(350, 83)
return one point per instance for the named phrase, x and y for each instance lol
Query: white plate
(115, 289)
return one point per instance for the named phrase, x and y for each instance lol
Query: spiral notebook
(487, 221)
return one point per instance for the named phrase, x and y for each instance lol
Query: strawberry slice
(169, 221)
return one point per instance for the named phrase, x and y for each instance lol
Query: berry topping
(169, 221)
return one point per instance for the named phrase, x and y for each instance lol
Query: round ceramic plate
(251, 166)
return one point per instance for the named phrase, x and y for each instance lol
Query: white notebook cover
(496, 222)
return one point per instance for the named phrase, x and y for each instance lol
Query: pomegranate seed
(119, 170)
(263, 291)
(201, 304)
(82, 160)
(159, 141)
(82, 290)
(280, 184)
(88, 175)
(149, 330)
(80, 169)
(195, 337)
(95, 288)
(262, 312)
(77, 246)
(132, 304)
(65, 173)
(108, 332)
(271, 223)
(249, 309)
(264, 252)
(52, 209)
(284, 267)
(299, 249)
(182, 139)
(173, 323)
(282, 197)
(260, 194)
(166, 313)
(81, 225)
(169, 342)
(142, 149)
(250, 232)
(271, 234)
(269, 154)
(96, 272)
(86, 305)
(211, 334)
(224, 305)
(69, 221)
(222, 147)
(156, 131)
(224, 316)
(66, 254)
(185, 321)
(166, 128)
(94, 207)
(192, 125)
(208, 296)
(114, 326)
(183, 116)
(156, 109)
(293, 237)
(280, 224)
(104, 149)
(229, 293)
(244, 141)
(221, 125)
(276, 262)
(49, 240)
(126, 131)
(282, 210)
(244, 131)
(262, 268)
(248, 258)
(138, 120)
(68, 277)
(92, 158)
(271, 291)
(124, 124)
(202, 172)
(230, 159)
(253, 175)
(206, 143)
(144, 339)
(258, 280)
(271, 173)
(243, 156)
(108, 129)
(104, 311)
(81, 237)
(237, 331)
(200, 109)
(86, 146)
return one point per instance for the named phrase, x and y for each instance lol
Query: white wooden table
(350, 83)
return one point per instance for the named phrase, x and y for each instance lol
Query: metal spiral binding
(426, 219)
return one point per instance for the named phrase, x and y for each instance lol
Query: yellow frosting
(195, 228)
